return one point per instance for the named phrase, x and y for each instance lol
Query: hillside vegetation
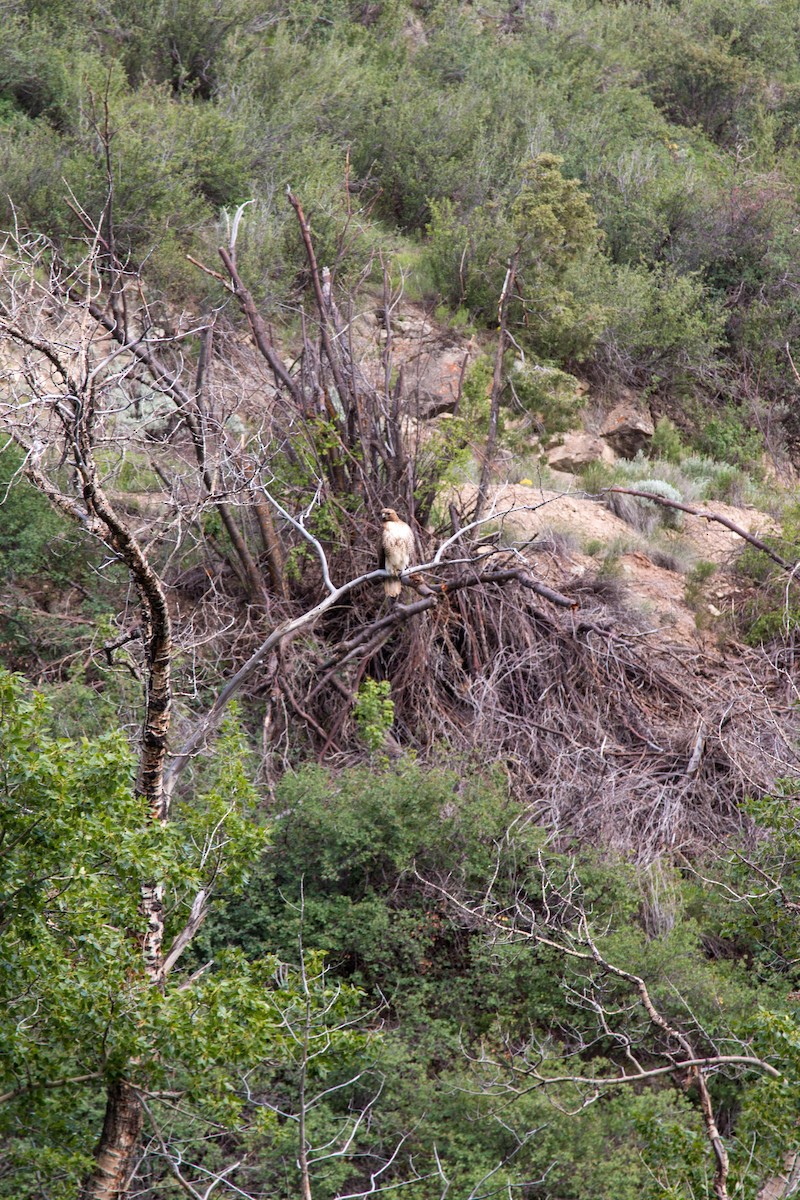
(489, 891)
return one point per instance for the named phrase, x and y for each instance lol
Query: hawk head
(388, 514)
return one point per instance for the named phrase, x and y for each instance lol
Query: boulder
(577, 451)
(627, 429)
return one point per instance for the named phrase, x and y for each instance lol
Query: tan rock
(578, 450)
(627, 429)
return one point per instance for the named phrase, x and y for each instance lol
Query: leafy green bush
(374, 712)
(773, 610)
(546, 221)
(664, 330)
(356, 865)
(75, 1000)
(700, 83)
(548, 395)
(727, 438)
(666, 442)
(37, 71)
(35, 540)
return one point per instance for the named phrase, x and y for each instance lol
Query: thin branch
(47, 1085)
(706, 1063)
(299, 525)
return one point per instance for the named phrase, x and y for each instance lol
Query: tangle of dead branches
(599, 731)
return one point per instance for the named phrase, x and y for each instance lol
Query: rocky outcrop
(627, 429)
(577, 451)
(429, 359)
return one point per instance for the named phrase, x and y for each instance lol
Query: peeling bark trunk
(721, 1165)
(116, 1151)
(119, 1140)
(157, 637)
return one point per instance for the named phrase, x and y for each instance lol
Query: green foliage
(766, 622)
(772, 611)
(642, 160)
(550, 396)
(696, 579)
(492, 138)
(135, 474)
(666, 442)
(374, 712)
(350, 868)
(75, 999)
(765, 932)
(37, 75)
(354, 867)
(727, 438)
(547, 221)
(552, 215)
(664, 330)
(364, 830)
(44, 558)
(700, 83)
(447, 452)
(34, 538)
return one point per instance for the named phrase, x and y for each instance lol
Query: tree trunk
(272, 545)
(116, 1151)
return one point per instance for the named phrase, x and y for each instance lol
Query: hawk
(396, 551)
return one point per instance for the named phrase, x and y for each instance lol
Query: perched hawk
(397, 549)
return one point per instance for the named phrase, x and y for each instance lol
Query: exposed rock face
(627, 429)
(577, 451)
(432, 360)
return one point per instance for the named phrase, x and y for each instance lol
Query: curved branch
(305, 533)
(706, 515)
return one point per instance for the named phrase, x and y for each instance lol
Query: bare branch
(705, 515)
(197, 916)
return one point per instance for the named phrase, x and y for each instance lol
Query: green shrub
(729, 485)
(664, 330)
(727, 438)
(699, 82)
(666, 442)
(546, 220)
(772, 611)
(35, 540)
(374, 712)
(598, 475)
(548, 395)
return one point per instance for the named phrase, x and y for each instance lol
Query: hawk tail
(392, 587)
